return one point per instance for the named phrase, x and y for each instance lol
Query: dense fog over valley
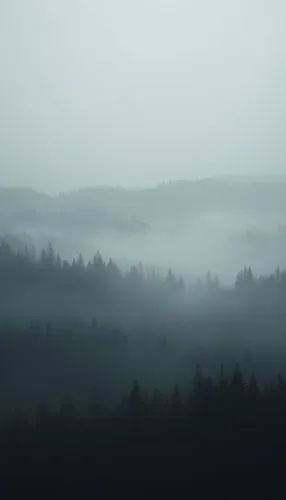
(215, 225)
(142, 249)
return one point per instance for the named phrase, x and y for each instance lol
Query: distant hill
(169, 206)
(20, 199)
(108, 207)
(26, 210)
(173, 203)
(218, 224)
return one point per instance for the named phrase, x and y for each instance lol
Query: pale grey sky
(135, 92)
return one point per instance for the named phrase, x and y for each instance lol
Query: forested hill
(89, 316)
(174, 225)
(75, 337)
(150, 206)
(26, 210)
(186, 198)
(49, 287)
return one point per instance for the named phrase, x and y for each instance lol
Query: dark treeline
(66, 328)
(45, 286)
(73, 338)
(226, 437)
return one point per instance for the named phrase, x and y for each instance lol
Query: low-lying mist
(191, 227)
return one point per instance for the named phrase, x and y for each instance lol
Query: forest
(132, 383)
(171, 225)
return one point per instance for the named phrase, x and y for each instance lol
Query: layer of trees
(101, 287)
(65, 326)
(227, 436)
(74, 336)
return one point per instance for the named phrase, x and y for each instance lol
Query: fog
(134, 93)
(142, 248)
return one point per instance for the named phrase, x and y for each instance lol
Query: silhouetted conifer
(176, 405)
(237, 384)
(136, 403)
(253, 389)
(157, 404)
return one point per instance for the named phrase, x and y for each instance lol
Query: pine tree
(176, 405)
(136, 403)
(156, 403)
(67, 413)
(94, 407)
(253, 389)
(58, 262)
(44, 416)
(51, 259)
(237, 384)
(222, 383)
(80, 262)
(198, 381)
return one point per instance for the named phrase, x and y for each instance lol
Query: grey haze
(135, 92)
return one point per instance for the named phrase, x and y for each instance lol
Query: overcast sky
(135, 92)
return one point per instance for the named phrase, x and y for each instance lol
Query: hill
(191, 226)
(173, 203)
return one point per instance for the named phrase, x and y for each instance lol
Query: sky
(135, 93)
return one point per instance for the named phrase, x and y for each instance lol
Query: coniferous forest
(142, 249)
(133, 384)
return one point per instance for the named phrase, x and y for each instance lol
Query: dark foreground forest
(136, 385)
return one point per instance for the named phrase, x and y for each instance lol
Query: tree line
(226, 434)
(73, 338)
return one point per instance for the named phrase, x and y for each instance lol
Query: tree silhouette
(176, 405)
(157, 404)
(136, 404)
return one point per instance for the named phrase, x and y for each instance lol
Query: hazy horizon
(142, 238)
(138, 93)
(276, 177)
